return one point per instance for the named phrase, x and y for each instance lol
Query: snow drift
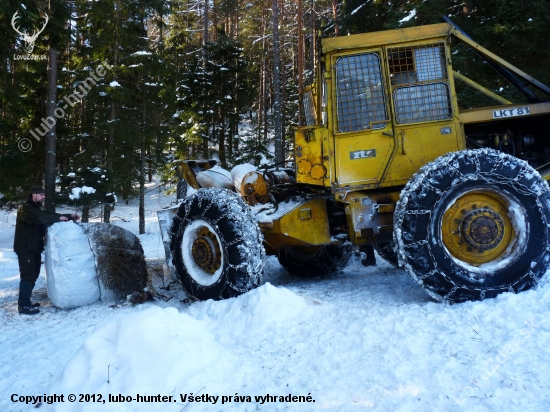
(163, 351)
(366, 351)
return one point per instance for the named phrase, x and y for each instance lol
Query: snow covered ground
(368, 339)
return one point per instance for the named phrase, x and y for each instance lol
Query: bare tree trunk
(142, 165)
(108, 208)
(205, 40)
(335, 16)
(278, 135)
(85, 214)
(300, 64)
(235, 131)
(261, 98)
(267, 97)
(261, 102)
(51, 105)
(283, 108)
(221, 143)
(205, 33)
(142, 187)
(312, 50)
(214, 18)
(283, 81)
(149, 165)
(205, 151)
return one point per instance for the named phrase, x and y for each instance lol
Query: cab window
(419, 81)
(360, 94)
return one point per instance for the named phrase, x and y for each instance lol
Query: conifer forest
(118, 90)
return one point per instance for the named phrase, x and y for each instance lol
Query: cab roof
(382, 38)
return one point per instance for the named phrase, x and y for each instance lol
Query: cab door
(361, 121)
(424, 104)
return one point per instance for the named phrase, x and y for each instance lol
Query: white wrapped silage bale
(70, 268)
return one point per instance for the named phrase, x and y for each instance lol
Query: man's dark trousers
(29, 269)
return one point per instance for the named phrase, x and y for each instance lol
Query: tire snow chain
(464, 178)
(189, 221)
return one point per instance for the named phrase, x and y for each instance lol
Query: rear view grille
(419, 82)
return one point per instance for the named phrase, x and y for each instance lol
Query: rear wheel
(474, 224)
(216, 245)
(315, 260)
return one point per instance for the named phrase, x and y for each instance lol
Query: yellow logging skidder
(458, 198)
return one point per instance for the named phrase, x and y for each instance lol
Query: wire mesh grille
(309, 108)
(360, 95)
(420, 89)
(422, 103)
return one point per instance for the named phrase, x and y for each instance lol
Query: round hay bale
(120, 261)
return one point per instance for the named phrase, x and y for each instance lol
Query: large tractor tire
(315, 261)
(387, 252)
(473, 224)
(216, 245)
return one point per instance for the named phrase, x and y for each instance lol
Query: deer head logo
(28, 39)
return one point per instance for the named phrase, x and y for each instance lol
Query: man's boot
(28, 310)
(370, 258)
(34, 304)
(24, 302)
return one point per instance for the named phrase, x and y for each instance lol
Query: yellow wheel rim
(477, 229)
(206, 251)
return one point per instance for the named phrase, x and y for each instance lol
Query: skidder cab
(456, 197)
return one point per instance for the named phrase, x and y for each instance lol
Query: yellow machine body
(383, 150)
(304, 224)
(384, 104)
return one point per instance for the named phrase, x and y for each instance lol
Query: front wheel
(216, 245)
(474, 224)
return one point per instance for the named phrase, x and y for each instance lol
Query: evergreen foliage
(168, 94)
(212, 96)
(87, 187)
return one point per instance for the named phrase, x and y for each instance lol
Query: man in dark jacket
(28, 244)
